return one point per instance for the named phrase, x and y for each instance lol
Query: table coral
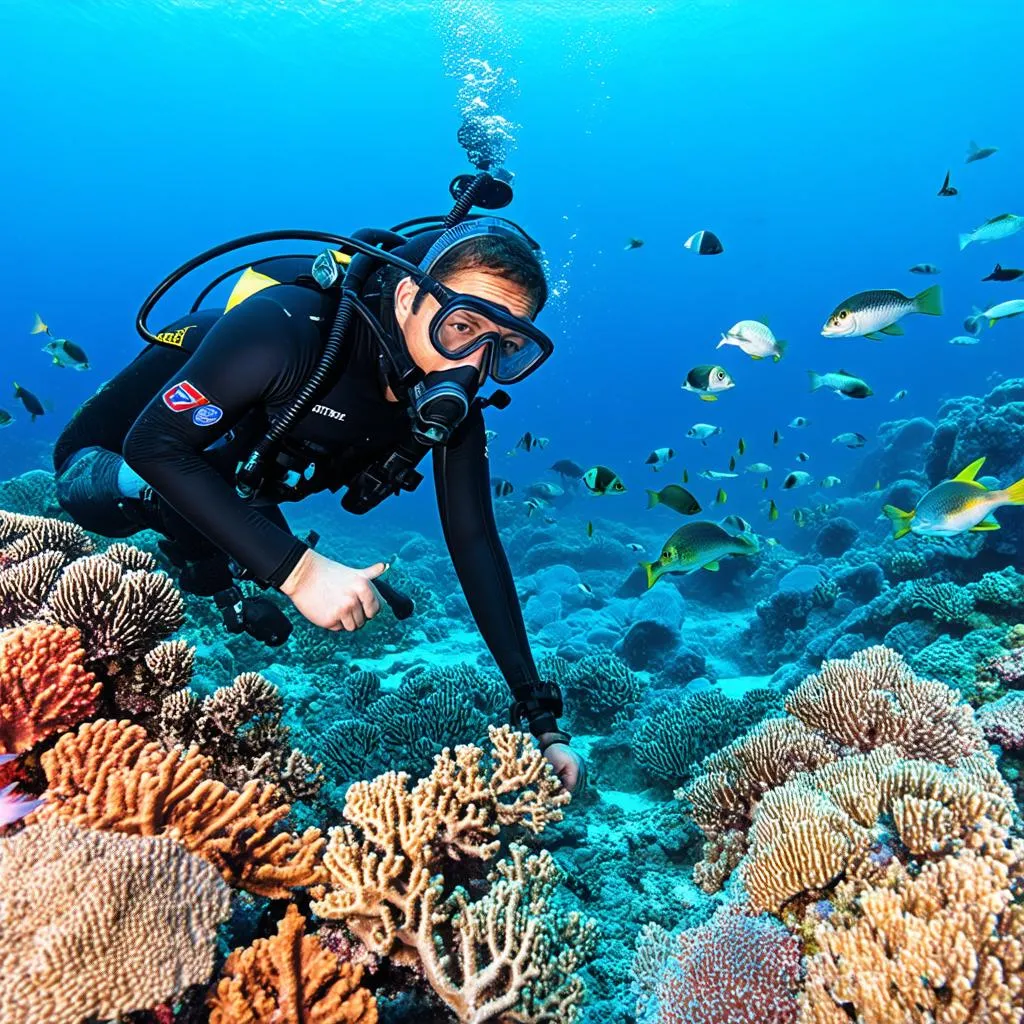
(43, 687)
(109, 775)
(290, 977)
(94, 925)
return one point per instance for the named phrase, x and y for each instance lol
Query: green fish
(955, 506)
(677, 498)
(602, 480)
(696, 546)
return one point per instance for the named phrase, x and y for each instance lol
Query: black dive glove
(257, 616)
(540, 705)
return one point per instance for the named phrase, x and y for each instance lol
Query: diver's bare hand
(569, 766)
(333, 595)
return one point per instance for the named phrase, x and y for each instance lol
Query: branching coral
(109, 775)
(290, 977)
(43, 687)
(509, 953)
(94, 925)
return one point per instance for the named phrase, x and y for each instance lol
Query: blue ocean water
(811, 138)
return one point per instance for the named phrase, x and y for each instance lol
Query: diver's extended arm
(462, 480)
(250, 358)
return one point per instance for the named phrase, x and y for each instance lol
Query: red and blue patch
(184, 396)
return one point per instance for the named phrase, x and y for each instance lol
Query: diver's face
(415, 326)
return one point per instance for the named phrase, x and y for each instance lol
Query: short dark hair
(506, 256)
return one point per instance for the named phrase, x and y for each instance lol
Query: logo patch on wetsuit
(207, 415)
(183, 396)
(175, 338)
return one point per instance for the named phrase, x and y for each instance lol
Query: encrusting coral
(509, 955)
(290, 977)
(44, 688)
(110, 775)
(95, 924)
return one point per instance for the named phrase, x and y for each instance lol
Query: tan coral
(171, 663)
(873, 699)
(43, 687)
(109, 775)
(24, 586)
(131, 557)
(24, 537)
(94, 925)
(290, 979)
(946, 947)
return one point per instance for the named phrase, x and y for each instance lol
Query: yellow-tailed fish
(955, 506)
(697, 546)
(773, 510)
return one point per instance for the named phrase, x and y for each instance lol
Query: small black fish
(6, 419)
(634, 243)
(704, 243)
(776, 437)
(501, 487)
(1003, 274)
(528, 442)
(947, 189)
(568, 469)
(32, 404)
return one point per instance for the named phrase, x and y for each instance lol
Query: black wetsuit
(250, 364)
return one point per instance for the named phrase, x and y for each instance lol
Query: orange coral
(109, 775)
(292, 978)
(43, 687)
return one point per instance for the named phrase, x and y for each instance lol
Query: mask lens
(460, 331)
(515, 356)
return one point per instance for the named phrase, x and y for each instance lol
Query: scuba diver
(342, 370)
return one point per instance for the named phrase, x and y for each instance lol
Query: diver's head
(501, 270)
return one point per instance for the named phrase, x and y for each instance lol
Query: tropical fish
(993, 230)
(776, 437)
(686, 476)
(874, 313)
(755, 339)
(704, 243)
(735, 524)
(500, 487)
(490, 435)
(706, 380)
(633, 546)
(964, 339)
(717, 474)
(545, 490)
(925, 268)
(759, 467)
(721, 497)
(590, 529)
(741, 448)
(634, 243)
(568, 469)
(831, 481)
(947, 189)
(32, 404)
(955, 506)
(702, 431)
(799, 517)
(677, 498)
(659, 457)
(696, 546)
(64, 352)
(764, 484)
(899, 396)
(534, 505)
(732, 463)
(528, 442)
(802, 457)
(773, 510)
(585, 589)
(841, 382)
(976, 152)
(602, 480)
(1000, 311)
(798, 422)
(798, 478)
(6, 419)
(1003, 274)
(850, 439)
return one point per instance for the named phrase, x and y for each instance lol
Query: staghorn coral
(109, 775)
(873, 699)
(43, 687)
(94, 925)
(290, 977)
(942, 947)
(509, 952)
(735, 968)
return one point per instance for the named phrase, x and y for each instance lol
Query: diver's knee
(88, 490)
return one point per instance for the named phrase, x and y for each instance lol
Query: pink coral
(735, 968)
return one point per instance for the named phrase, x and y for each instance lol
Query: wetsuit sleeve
(257, 355)
(462, 480)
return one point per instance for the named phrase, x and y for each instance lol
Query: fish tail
(724, 341)
(1014, 494)
(781, 347)
(900, 520)
(652, 576)
(653, 498)
(929, 301)
(965, 240)
(815, 379)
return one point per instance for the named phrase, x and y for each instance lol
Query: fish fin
(781, 346)
(988, 523)
(724, 341)
(38, 327)
(709, 398)
(929, 301)
(900, 520)
(992, 323)
(652, 499)
(757, 358)
(967, 475)
(873, 336)
(1014, 494)
(965, 240)
(893, 329)
(845, 373)
(648, 568)
(815, 380)
(711, 567)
